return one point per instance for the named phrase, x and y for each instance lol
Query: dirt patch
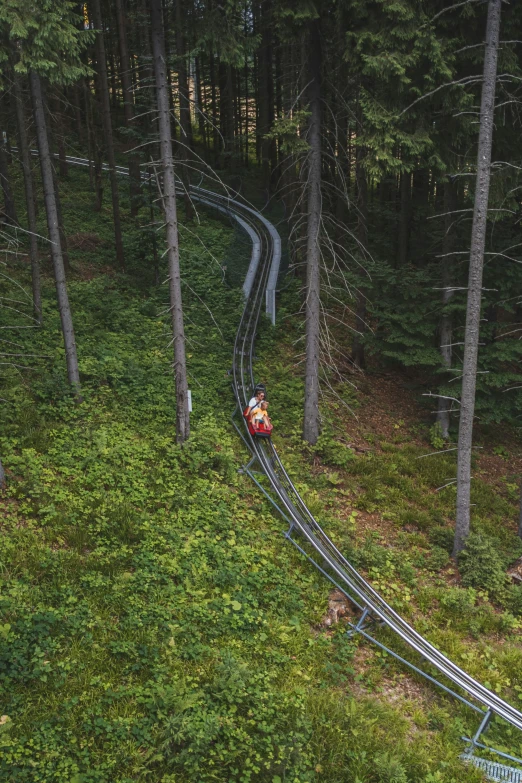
(338, 607)
(398, 688)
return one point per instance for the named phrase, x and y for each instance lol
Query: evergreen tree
(49, 44)
(171, 221)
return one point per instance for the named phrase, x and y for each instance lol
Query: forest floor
(155, 626)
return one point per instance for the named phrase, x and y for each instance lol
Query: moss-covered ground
(155, 626)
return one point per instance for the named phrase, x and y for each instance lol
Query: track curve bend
(260, 285)
(330, 561)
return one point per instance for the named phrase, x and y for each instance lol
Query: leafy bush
(414, 516)
(437, 559)
(481, 565)
(442, 537)
(333, 452)
(436, 437)
(458, 602)
(514, 600)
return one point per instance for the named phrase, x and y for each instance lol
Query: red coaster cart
(259, 429)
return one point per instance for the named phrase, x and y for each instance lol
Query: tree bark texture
(185, 135)
(183, 84)
(169, 202)
(9, 203)
(54, 235)
(313, 249)
(520, 516)
(128, 107)
(446, 319)
(29, 196)
(362, 238)
(476, 264)
(58, 134)
(266, 92)
(404, 219)
(103, 87)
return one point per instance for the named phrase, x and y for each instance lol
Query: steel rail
(290, 503)
(295, 509)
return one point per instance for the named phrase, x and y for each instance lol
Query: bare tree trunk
(184, 97)
(103, 87)
(266, 92)
(213, 104)
(9, 204)
(520, 517)
(128, 107)
(313, 250)
(54, 235)
(185, 135)
(476, 263)
(362, 236)
(446, 320)
(404, 219)
(59, 135)
(169, 202)
(63, 236)
(29, 197)
(77, 100)
(247, 119)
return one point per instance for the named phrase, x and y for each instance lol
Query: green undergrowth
(385, 510)
(154, 624)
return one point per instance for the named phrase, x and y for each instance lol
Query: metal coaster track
(260, 286)
(285, 497)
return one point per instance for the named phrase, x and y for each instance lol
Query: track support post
(483, 726)
(246, 468)
(360, 623)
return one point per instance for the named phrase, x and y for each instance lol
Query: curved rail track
(275, 483)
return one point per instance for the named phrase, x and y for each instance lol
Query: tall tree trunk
(213, 104)
(520, 516)
(63, 235)
(247, 119)
(54, 235)
(59, 135)
(169, 202)
(128, 108)
(9, 203)
(185, 135)
(266, 92)
(29, 196)
(199, 101)
(362, 237)
(313, 250)
(404, 219)
(446, 320)
(77, 106)
(184, 97)
(103, 86)
(476, 264)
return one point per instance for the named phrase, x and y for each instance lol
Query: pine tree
(313, 247)
(476, 264)
(49, 44)
(171, 221)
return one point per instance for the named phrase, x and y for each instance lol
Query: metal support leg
(483, 726)
(246, 468)
(360, 623)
